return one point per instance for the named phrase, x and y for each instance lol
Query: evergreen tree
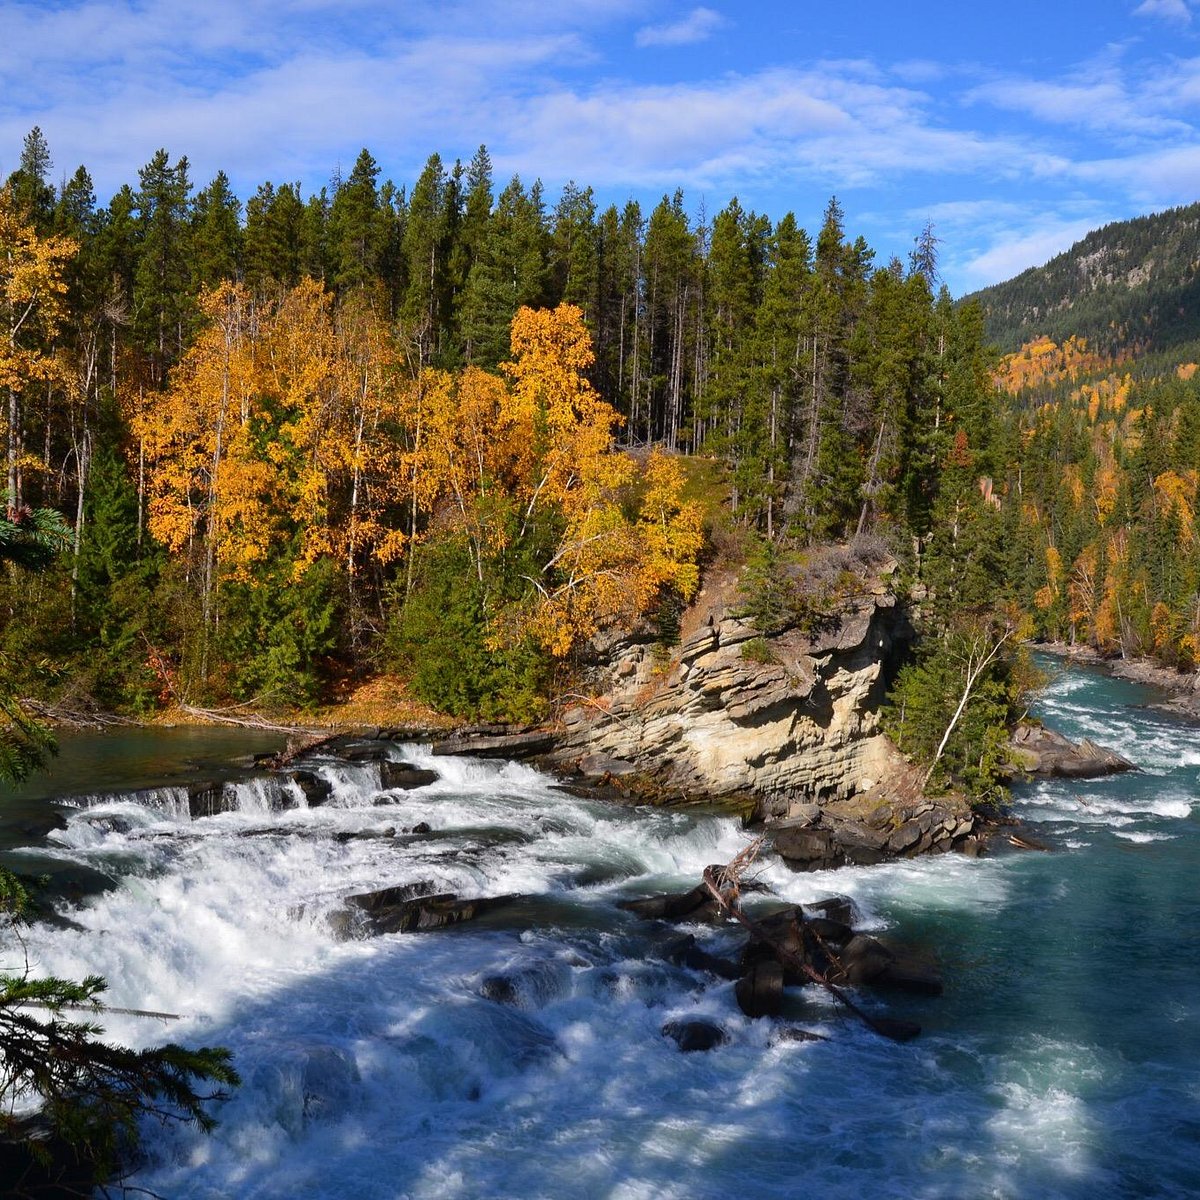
(162, 288)
(29, 184)
(357, 228)
(216, 235)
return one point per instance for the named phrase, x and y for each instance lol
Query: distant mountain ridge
(1131, 287)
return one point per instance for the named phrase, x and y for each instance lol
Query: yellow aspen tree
(32, 309)
(204, 484)
(369, 367)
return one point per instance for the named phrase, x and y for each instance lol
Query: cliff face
(790, 719)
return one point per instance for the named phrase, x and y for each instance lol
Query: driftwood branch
(74, 718)
(249, 721)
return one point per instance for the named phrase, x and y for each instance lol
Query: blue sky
(1014, 127)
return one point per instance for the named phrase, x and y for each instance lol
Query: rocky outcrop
(789, 720)
(889, 821)
(510, 745)
(1035, 750)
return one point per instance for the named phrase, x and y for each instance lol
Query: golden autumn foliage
(1176, 492)
(289, 428)
(269, 434)
(1043, 361)
(32, 307)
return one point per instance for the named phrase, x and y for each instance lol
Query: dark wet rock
(368, 752)
(364, 835)
(208, 799)
(831, 932)
(512, 745)
(972, 847)
(896, 1028)
(499, 988)
(316, 789)
(784, 930)
(529, 986)
(866, 961)
(863, 834)
(862, 960)
(696, 905)
(695, 1035)
(402, 776)
(760, 991)
(110, 823)
(1037, 750)
(41, 824)
(421, 827)
(684, 952)
(911, 970)
(859, 844)
(806, 848)
(793, 1033)
(395, 910)
(389, 897)
(833, 908)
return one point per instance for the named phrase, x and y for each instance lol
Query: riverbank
(1182, 687)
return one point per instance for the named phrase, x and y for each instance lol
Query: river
(1061, 1061)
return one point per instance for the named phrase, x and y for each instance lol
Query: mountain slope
(1132, 287)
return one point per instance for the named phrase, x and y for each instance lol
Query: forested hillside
(304, 437)
(1128, 289)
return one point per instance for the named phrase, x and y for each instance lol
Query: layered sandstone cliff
(789, 721)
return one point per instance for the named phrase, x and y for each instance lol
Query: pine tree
(162, 290)
(216, 235)
(357, 229)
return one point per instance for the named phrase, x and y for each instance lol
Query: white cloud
(1013, 249)
(1168, 10)
(698, 26)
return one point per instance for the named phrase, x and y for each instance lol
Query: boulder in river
(760, 991)
(315, 787)
(695, 1035)
(696, 905)
(401, 910)
(1036, 750)
(403, 776)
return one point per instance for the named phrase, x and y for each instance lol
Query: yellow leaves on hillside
(32, 295)
(32, 307)
(1176, 493)
(1042, 361)
(1105, 489)
(1048, 594)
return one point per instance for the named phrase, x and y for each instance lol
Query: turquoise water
(1061, 1062)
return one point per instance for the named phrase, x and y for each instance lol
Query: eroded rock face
(791, 719)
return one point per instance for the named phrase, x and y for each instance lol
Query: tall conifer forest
(453, 429)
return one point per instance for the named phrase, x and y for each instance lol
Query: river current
(1062, 1061)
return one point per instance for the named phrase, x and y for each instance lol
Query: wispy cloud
(1014, 249)
(698, 26)
(1167, 10)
